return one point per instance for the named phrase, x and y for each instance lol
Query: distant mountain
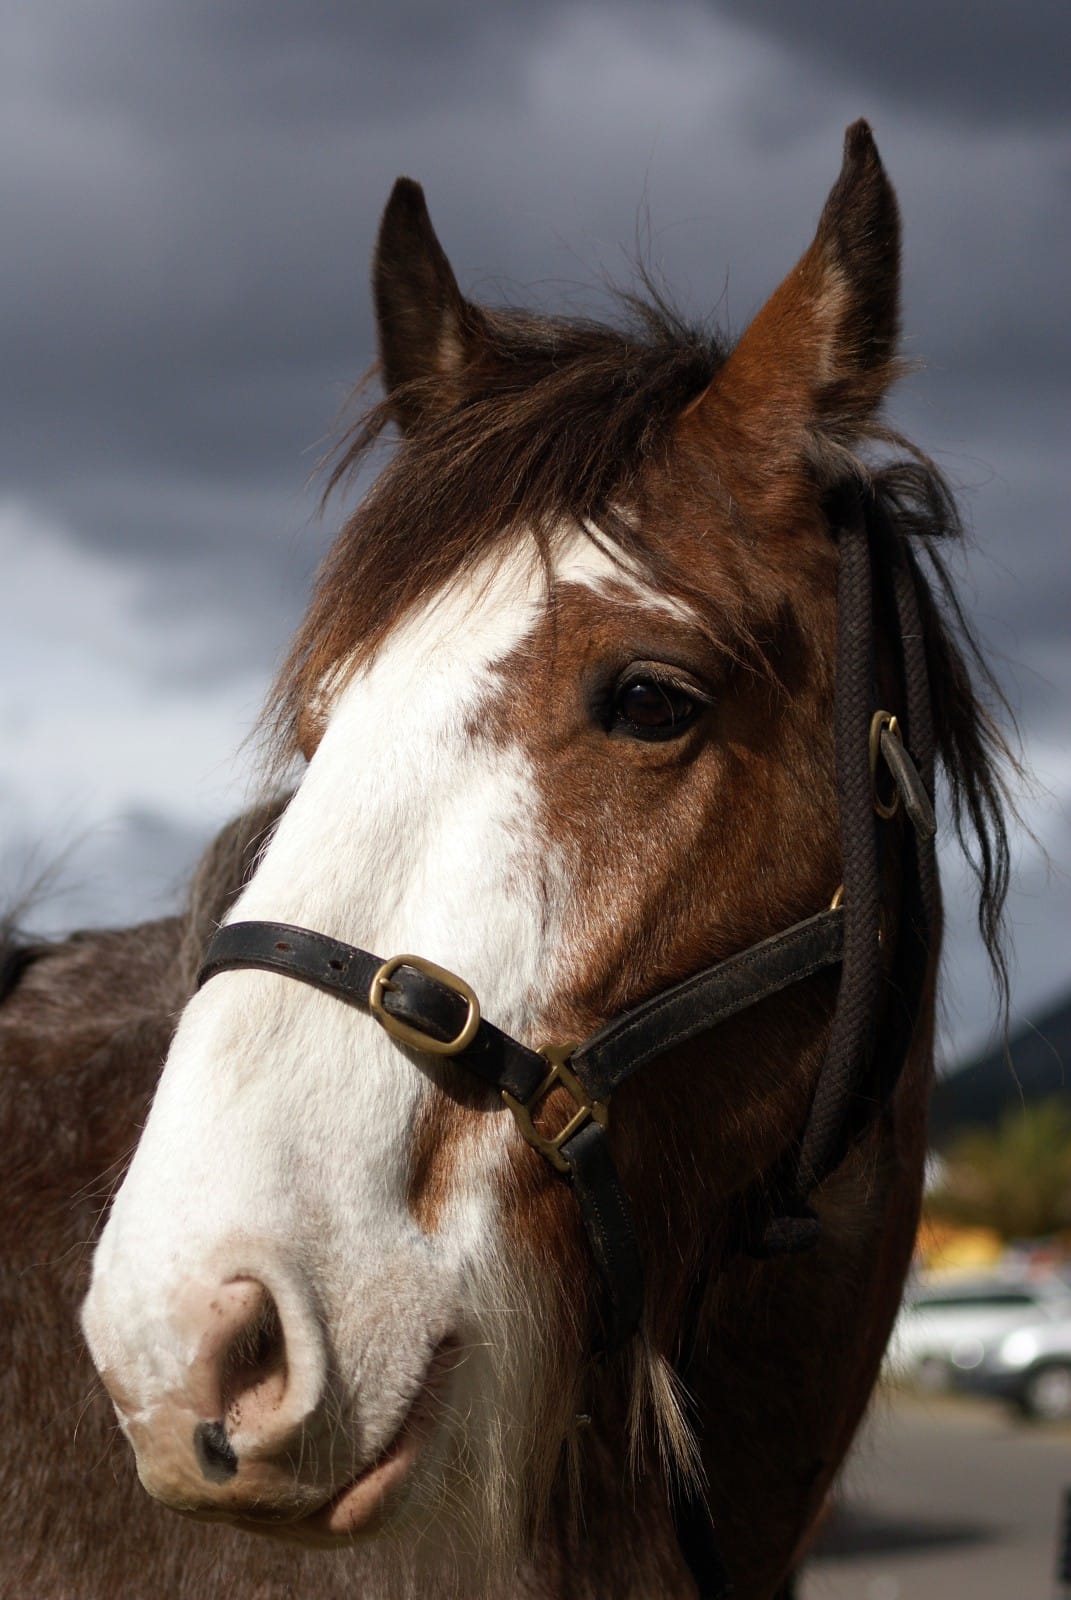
(982, 1090)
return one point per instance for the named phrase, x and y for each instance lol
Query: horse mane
(553, 430)
(15, 957)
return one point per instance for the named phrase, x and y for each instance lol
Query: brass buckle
(587, 1110)
(404, 1031)
(878, 723)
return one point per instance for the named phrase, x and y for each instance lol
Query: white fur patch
(279, 1144)
(587, 561)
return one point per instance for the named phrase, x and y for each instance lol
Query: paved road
(946, 1500)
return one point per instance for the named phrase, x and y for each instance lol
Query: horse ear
(428, 331)
(813, 367)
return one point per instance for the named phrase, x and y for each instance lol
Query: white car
(1030, 1367)
(942, 1317)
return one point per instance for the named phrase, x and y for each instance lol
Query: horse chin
(364, 1506)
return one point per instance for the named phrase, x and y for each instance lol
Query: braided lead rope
(918, 890)
(853, 1020)
(854, 1017)
(848, 1055)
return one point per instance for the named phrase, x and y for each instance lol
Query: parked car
(1030, 1367)
(942, 1316)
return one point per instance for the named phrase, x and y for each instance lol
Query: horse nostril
(223, 1416)
(213, 1450)
(253, 1374)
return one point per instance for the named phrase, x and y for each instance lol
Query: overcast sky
(189, 195)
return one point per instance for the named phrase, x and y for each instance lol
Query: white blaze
(279, 1144)
(279, 1141)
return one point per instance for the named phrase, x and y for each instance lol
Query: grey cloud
(201, 67)
(993, 62)
(114, 874)
(190, 195)
(190, 221)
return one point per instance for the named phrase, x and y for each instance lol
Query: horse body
(566, 696)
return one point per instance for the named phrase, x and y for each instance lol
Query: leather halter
(432, 1011)
(436, 1013)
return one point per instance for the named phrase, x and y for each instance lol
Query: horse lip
(361, 1506)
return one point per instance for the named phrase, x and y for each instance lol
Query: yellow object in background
(944, 1247)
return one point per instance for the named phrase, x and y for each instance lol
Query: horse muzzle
(232, 1416)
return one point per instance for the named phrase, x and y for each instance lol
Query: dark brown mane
(556, 428)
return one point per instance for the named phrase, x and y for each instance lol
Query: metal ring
(558, 1056)
(878, 724)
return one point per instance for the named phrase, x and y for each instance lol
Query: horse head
(566, 694)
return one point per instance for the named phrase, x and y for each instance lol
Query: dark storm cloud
(189, 197)
(996, 61)
(187, 224)
(202, 68)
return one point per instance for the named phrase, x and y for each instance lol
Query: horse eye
(653, 708)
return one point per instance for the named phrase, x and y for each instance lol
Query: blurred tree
(1015, 1177)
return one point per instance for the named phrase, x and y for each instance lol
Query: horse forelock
(552, 437)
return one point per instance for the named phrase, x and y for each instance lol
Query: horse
(558, 1257)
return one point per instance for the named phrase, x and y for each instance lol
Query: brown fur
(711, 472)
